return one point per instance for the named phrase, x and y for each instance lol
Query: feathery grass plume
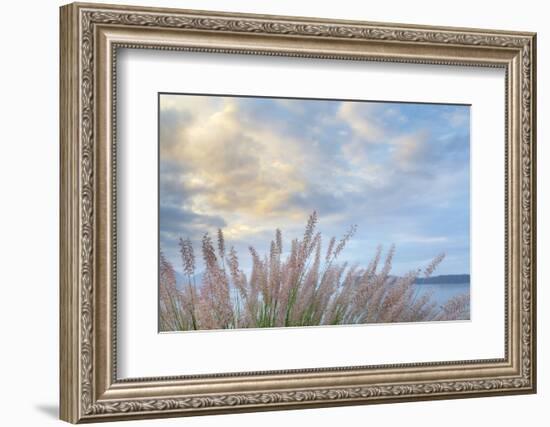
(237, 276)
(428, 271)
(190, 293)
(333, 314)
(173, 315)
(380, 287)
(240, 287)
(215, 292)
(279, 241)
(457, 308)
(275, 271)
(373, 265)
(221, 244)
(308, 234)
(305, 306)
(330, 248)
(300, 289)
(343, 242)
(187, 256)
(422, 308)
(260, 282)
(388, 263)
(395, 300)
(167, 273)
(253, 283)
(166, 284)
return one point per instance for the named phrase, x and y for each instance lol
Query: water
(442, 292)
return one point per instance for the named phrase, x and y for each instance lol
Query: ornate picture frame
(90, 37)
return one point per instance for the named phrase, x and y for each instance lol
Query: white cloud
(234, 166)
(410, 149)
(362, 119)
(253, 169)
(419, 239)
(458, 117)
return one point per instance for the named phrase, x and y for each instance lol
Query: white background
(29, 170)
(141, 347)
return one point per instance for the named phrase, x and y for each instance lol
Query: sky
(248, 165)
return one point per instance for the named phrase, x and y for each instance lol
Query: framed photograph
(266, 212)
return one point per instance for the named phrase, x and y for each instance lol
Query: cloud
(291, 105)
(178, 220)
(410, 150)
(230, 164)
(418, 239)
(458, 117)
(247, 165)
(361, 118)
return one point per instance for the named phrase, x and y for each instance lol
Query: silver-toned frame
(90, 37)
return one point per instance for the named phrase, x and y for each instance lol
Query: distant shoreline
(444, 279)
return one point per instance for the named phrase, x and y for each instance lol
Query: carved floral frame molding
(90, 37)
